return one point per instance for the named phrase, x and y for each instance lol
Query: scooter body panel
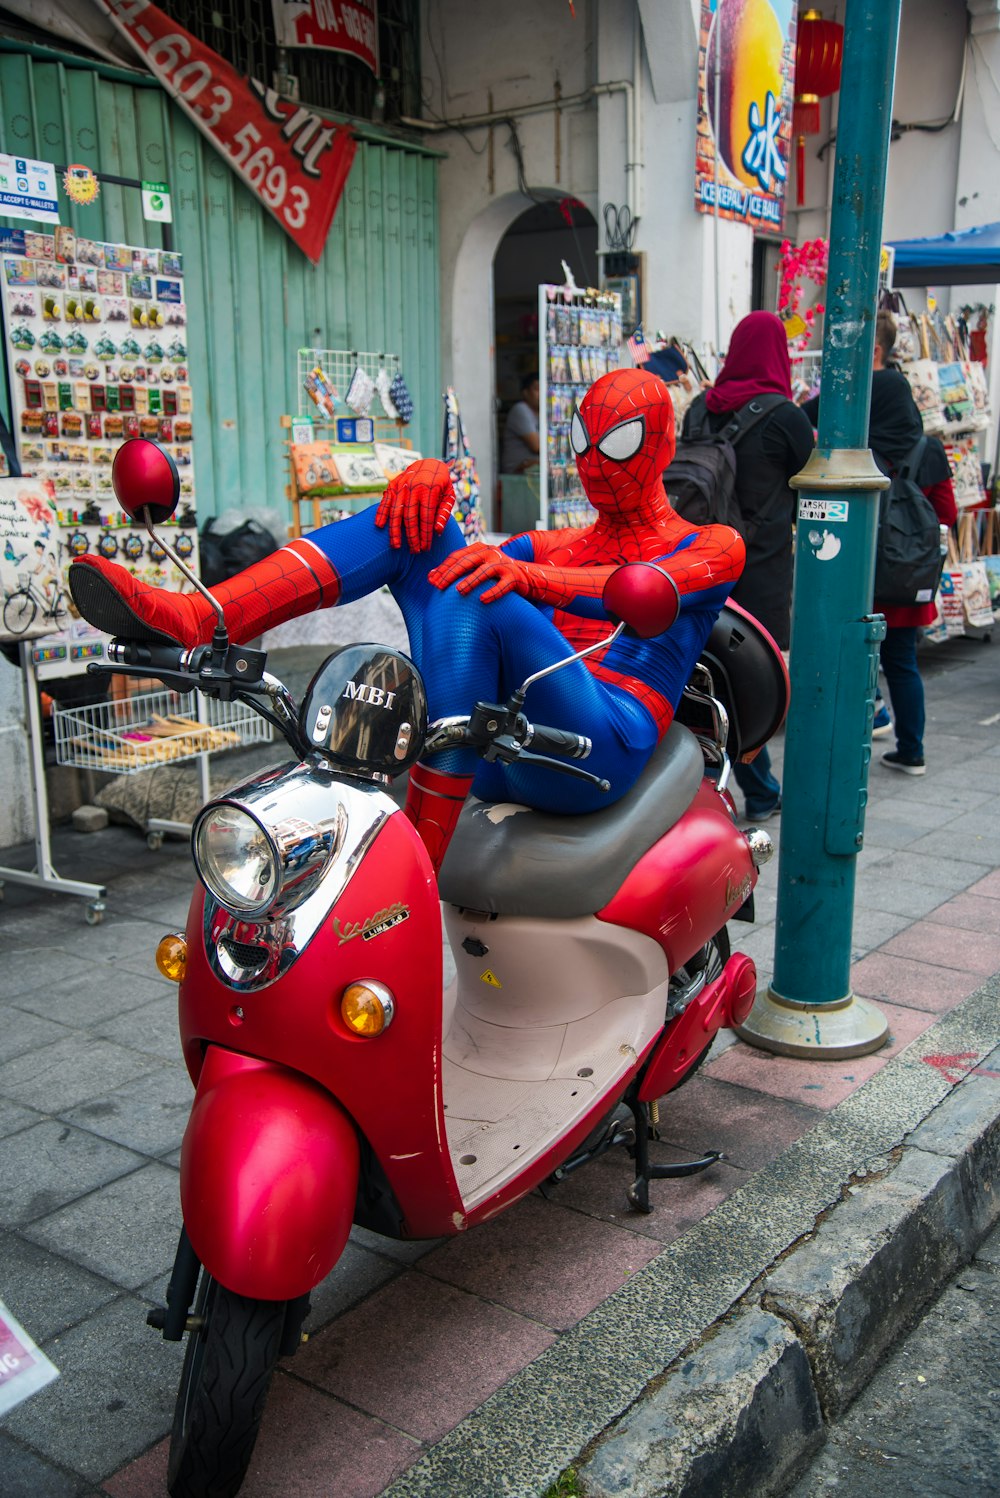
(690, 883)
(389, 1085)
(269, 1176)
(547, 1023)
(721, 1004)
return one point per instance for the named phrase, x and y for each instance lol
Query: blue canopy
(965, 257)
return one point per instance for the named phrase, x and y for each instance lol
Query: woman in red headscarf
(767, 456)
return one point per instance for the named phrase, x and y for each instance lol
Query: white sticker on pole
(823, 509)
(24, 1368)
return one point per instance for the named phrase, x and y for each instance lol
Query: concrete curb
(745, 1410)
(713, 1370)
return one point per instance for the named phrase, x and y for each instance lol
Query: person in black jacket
(894, 429)
(767, 456)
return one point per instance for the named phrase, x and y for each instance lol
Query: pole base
(815, 1032)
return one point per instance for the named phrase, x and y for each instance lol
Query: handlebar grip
(153, 657)
(558, 741)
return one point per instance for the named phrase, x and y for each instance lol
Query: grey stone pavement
(94, 1099)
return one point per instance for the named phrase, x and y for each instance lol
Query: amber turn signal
(367, 1008)
(171, 957)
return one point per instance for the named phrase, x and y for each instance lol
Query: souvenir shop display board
(95, 339)
(579, 339)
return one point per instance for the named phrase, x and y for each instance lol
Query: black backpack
(701, 480)
(908, 557)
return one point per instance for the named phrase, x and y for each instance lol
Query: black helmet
(366, 709)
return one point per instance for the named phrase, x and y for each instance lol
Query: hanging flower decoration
(798, 264)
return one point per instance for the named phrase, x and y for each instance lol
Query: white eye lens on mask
(623, 441)
(578, 435)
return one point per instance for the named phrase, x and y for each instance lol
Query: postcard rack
(309, 511)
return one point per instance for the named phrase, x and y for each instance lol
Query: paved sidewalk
(482, 1364)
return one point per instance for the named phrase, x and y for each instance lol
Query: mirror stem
(220, 629)
(517, 699)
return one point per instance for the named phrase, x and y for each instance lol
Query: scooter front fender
(269, 1176)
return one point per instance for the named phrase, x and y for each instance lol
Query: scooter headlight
(262, 851)
(236, 859)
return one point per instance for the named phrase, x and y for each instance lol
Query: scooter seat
(510, 860)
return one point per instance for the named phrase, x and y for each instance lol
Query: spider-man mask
(623, 438)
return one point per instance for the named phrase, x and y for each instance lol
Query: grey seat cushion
(514, 861)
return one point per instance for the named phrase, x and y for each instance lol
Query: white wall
(515, 55)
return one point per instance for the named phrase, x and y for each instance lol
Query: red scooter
(337, 1080)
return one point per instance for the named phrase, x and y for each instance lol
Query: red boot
(434, 804)
(294, 580)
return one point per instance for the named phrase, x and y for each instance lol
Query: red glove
(477, 564)
(417, 504)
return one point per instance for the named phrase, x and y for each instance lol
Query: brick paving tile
(821, 1084)
(600, 1189)
(969, 912)
(920, 985)
(751, 1130)
(929, 941)
(510, 1261)
(310, 1446)
(420, 1354)
(988, 887)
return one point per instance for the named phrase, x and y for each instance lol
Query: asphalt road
(928, 1425)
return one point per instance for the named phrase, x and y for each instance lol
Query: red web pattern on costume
(292, 581)
(626, 487)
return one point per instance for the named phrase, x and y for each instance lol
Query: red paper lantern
(819, 51)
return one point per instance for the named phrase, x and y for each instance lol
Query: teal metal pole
(809, 1009)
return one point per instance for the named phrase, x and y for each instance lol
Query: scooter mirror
(643, 597)
(145, 481)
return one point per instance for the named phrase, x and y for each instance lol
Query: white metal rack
(338, 365)
(155, 728)
(43, 874)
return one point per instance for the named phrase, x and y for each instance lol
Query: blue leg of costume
(467, 650)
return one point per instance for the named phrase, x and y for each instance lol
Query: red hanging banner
(293, 161)
(334, 25)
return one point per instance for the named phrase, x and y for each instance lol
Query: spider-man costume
(542, 595)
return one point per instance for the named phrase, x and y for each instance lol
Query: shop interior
(531, 254)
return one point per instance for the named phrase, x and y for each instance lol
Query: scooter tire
(228, 1364)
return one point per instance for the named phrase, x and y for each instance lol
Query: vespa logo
(738, 894)
(364, 692)
(374, 925)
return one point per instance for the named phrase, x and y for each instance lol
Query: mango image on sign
(748, 38)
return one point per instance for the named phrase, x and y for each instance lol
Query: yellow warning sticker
(491, 979)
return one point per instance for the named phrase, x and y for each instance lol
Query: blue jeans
(906, 690)
(761, 791)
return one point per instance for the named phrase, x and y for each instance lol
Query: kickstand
(638, 1192)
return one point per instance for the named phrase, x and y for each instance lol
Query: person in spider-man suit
(481, 618)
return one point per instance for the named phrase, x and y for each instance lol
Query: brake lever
(509, 750)
(526, 758)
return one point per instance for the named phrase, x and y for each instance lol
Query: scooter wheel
(231, 1354)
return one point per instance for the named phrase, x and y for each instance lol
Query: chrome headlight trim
(223, 821)
(248, 954)
(302, 846)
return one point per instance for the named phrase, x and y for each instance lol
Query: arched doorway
(531, 253)
(536, 254)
